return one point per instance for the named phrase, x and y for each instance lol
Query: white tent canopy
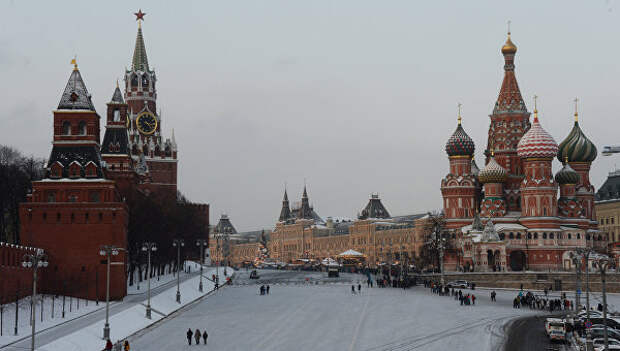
(351, 253)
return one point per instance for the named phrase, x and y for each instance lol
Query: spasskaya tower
(155, 158)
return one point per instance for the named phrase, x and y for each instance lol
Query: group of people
(464, 299)
(542, 303)
(264, 289)
(197, 335)
(124, 346)
(359, 288)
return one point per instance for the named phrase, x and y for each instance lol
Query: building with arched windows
(507, 215)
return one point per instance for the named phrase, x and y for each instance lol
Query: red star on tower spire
(140, 15)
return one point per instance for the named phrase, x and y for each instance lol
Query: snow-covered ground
(133, 319)
(140, 287)
(73, 308)
(328, 317)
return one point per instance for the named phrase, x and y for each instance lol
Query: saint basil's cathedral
(80, 205)
(507, 216)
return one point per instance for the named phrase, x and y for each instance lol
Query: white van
(555, 329)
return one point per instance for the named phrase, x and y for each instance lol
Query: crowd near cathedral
(512, 214)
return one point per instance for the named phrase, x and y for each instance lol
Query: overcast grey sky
(355, 96)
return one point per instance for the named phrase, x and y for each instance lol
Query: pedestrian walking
(353, 289)
(205, 336)
(189, 336)
(267, 289)
(473, 299)
(359, 288)
(493, 295)
(126, 346)
(108, 345)
(197, 336)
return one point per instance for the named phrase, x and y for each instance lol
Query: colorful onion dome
(577, 147)
(537, 143)
(460, 144)
(493, 172)
(567, 175)
(509, 47)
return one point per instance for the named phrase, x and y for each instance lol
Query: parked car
(600, 342)
(599, 333)
(611, 323)
(461, 284)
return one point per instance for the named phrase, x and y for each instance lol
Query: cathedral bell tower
(509, 121)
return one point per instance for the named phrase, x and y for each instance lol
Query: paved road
(46, 336)
(528, 333)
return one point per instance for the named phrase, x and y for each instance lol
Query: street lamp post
(148, 247)
(577, 261)
(202, 243)
(585, 252)
(178, 243)
(34, 261)
(603, 264)
(108, 251)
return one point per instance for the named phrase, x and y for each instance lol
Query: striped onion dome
(567, 175)
(577, 147)
(493, 172)
(460, 144)
(537, 143)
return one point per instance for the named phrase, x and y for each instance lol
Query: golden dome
(509, 47)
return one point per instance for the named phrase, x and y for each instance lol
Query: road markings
(359, 323)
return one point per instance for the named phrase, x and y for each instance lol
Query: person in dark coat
(108, 345)
(126, 346)
(197, 336)
(359, 288)
(205, 336)
(267, 289)
(352, 289)
(189, 336)
(493, 295)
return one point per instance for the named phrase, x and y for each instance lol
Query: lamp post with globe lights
(148, 247)
(108, 251)
(602, 264)
(202, 243)
(178, 243)
(34, 261)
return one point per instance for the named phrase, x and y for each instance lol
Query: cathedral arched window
(529, 235)
(518, 235)
(550, 235)
(511, 235)
(82, 128)
(502, 236)
(578, 236)
(535, 235)
(570, 236)
(587, 236)
(51, 196)
(66, 128)
(145, 150)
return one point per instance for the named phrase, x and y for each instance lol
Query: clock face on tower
(147, 123)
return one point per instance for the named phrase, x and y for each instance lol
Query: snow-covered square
(310, 314)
